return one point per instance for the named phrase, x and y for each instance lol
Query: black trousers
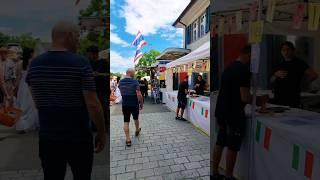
(56, 155)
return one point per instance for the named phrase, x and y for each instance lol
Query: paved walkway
(166, 148)
(19, 158)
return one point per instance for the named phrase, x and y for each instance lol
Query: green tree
(116, 74)
(148, 58)
(96, 8)
(24, 40)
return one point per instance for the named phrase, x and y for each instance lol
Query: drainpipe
(185, 28)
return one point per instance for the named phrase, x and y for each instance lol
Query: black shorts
(182, 102)
(230, 133)
(128, 110)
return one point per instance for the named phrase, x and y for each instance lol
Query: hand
(140, 107)
(281, 74)
(100, 142)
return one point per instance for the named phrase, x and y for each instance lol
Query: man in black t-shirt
(234, 94)
(182, 98)
(200, 85)
(100, 70)
(287, 77)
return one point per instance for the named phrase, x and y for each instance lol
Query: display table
(197, 110)
(279, 146)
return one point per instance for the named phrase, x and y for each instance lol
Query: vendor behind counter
(200, 85)
(287, 77)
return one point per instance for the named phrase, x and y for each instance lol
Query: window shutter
(198, 27)
(191, 33)
(208, 19)
(188, 35)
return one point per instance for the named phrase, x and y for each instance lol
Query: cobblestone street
(166, 149)
(19, 158)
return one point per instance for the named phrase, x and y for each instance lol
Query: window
(202, 24)
(195, 31)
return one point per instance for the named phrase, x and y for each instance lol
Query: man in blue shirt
(132, 102)
(63, 89)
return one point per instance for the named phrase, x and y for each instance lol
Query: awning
(203, 52)
(173, 53)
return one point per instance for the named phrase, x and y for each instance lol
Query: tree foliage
(25, 41)
(148, 58)
(96, 8)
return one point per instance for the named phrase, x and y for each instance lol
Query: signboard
(162, 69)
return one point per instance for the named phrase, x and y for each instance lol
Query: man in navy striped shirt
(63, 88)
(132, 102)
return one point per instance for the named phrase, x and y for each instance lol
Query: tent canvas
(203, 52)
(283, 17)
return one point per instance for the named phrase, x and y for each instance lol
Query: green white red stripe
(302, 161)
(267, 135)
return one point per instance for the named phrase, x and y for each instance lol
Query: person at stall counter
(287, 77)
(182, 99)
(200, 85)
(234, 94)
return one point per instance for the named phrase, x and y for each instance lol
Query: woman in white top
(29, 120)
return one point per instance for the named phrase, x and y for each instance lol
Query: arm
(140, 98)
(96, 115)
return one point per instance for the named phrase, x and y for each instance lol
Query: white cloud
(114, 38)
(119, 63)
(151, 16)
(172, 34)
(113, 27)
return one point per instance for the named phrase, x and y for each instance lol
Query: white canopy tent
(203, 52)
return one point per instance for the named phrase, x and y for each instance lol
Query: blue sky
(37, 17)
(153, 18)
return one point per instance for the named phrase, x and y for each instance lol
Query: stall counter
(197, 110)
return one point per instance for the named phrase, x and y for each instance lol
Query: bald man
(132, 102)
(63, 88)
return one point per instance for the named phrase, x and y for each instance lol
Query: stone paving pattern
(166, 149)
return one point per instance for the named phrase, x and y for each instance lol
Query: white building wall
(199, 42)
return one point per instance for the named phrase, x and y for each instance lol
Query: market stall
(197, 110)
(282, 145)
(192, 64)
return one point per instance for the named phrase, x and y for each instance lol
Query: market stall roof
(203, 52)
(173, 53)
(160, 62)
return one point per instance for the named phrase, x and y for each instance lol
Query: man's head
(130, 72)
(199, 77)
(66, 35)
(245, 54)
(93, 53)
(287, 50)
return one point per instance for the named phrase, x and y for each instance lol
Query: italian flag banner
(190, 102)
(302, 161)
(205, 112)
(193, 104)
(263, 133)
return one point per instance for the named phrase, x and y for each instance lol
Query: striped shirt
(128, 88)
(57, 80)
